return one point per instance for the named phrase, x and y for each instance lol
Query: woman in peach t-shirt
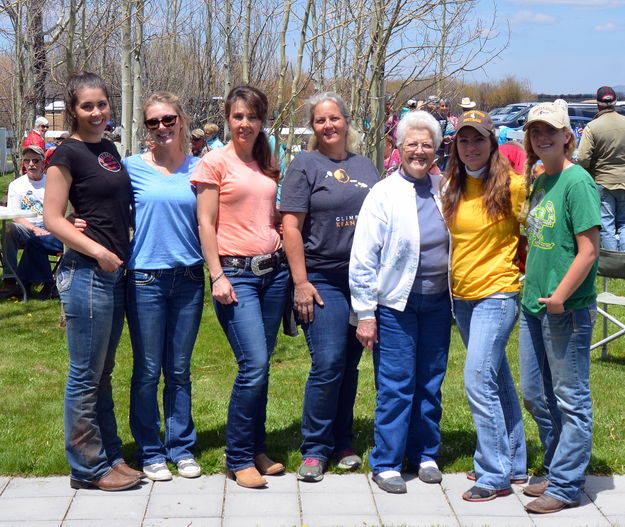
(237, 217)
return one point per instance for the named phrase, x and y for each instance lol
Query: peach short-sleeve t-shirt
(246, 221)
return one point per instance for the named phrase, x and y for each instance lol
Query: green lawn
(4, 184)
(33, 365)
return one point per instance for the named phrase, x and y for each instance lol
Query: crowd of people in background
(360, 259)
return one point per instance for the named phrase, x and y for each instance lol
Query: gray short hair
(419, 120)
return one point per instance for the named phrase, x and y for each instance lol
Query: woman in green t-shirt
(558, 307)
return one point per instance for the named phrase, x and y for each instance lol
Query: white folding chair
(611, 265)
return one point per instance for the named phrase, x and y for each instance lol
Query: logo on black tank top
(109, 162)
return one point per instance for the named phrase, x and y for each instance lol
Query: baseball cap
(198, 133)
(555, 114)
(35, 149)
(411, 102)
(606, 95)
(481, 121)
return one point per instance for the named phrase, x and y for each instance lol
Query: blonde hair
(165, 97)
(531, 159)
(352, 140)
(211, 129)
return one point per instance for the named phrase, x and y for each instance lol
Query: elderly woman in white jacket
(399, 283)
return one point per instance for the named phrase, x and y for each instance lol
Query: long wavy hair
(165, 97)
(257, 102)
(531, 158)
(352, 143)
(77, 82)
(496, 200)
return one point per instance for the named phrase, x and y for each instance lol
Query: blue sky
(559, 46)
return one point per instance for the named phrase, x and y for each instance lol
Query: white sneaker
(189, 468)
(157, 472)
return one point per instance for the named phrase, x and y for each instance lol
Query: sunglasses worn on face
(33, 161)
(167, 120)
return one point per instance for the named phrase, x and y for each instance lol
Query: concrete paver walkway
(338, 501)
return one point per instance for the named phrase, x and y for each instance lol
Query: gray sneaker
(157, 472)
(310, 470)
(189, 468)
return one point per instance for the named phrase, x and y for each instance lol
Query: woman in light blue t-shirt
(165, 291)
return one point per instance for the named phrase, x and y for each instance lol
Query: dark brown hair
(77, 82)
(257, 101)
(496, 199)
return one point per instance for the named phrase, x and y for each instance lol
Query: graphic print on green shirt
(543, 216)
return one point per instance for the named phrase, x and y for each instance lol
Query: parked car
(514, 115)
(497, 111)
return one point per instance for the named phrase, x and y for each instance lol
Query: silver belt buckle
(257, 260)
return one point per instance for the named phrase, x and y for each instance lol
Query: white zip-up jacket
(385, 252)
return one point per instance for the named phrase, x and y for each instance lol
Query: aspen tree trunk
(377, 85)
(37, 59)
(246, 42)
(358, 68)
(442, 49)
(71, 32)
(316, 60)
(137, 76)
(277, 124)
(19, 84)
(227, 58)
(126, 77)
(296, 77)
(208, 59)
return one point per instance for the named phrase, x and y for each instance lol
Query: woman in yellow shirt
(483, 206)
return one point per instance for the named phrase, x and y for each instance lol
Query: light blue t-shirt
(165, 219)
(431, 277)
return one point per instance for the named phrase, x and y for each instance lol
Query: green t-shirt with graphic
(561, 206)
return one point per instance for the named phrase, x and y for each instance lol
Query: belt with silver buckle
(259, 265)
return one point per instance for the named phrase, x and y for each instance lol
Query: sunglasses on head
(167, 120)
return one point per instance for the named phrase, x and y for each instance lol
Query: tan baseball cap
(555, 114)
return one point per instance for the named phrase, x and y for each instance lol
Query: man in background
(602, 152)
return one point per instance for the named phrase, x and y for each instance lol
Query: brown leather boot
(113, 481)
(248, 477)
(536, 489)
(126, 470)
(267, 466)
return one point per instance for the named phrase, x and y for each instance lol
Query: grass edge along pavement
(33, 367)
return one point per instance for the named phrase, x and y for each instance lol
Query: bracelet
(213, 280)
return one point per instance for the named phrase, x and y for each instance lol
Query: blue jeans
(93, 301)
(485, 326)
(251, 325)
(164, 309)
(330, 393)
(612, 219)
(410, 361)
(34, 266)
(554, 358)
